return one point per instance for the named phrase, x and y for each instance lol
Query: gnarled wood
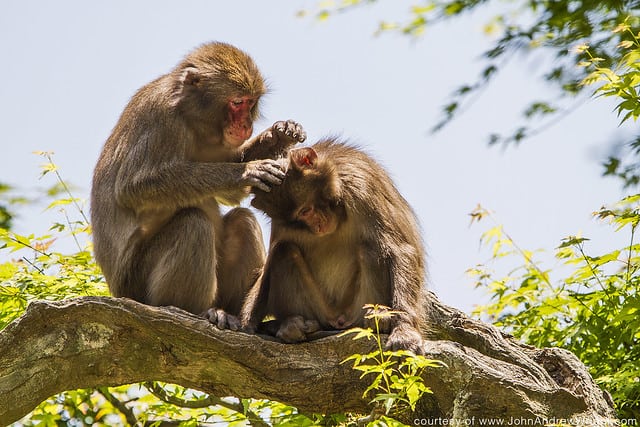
(100, 341)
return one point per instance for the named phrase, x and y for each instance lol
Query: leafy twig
(162, 394)
(120, 406)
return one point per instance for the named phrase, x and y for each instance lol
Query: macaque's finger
(233, 323)
(300, 133)
(273, 175)
(221, 319)
(211, 315)
(262, 174)
(275, 168)
(270, 175)
(264, 181)
(259, 185)
(280, 126)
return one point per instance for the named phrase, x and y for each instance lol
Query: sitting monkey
(181, 148)
(342, 237)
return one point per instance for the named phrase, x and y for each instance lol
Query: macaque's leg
(255, 306)
(291, 267)
(241, 256)
(286, 289)
(402, 333)
(179, 263)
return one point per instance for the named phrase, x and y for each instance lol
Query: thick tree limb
(98, 341)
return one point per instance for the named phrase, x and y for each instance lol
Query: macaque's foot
(405, 337)
(283, 134)
(290, 130)
(295, 329)
(222, 319)
(380, 314)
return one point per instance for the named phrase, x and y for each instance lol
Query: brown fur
(176, 153)
(342, 236)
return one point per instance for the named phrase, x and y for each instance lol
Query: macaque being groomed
(180, 148)
(342, 237)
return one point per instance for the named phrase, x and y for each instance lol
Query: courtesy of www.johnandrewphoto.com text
(523, 422)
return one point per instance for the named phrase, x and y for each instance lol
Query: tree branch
(120, 406)
(94, 342)
(161, 394)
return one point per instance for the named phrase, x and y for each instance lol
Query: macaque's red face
(309, 197)
(319, 217)
(239, 124)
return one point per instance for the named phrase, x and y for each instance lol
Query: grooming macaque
(342, 237)
(180, 148)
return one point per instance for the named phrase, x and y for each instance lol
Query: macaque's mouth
(240, 125)
(237, 133)
(322, 230)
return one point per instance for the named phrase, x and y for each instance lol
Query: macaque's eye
(304, 212)
(237, 103)
(243, 104)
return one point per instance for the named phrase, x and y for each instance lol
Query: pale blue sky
(69, 67)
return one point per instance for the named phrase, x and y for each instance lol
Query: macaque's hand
(222, 319)
(405, 337)
(262, 174)
(295, 329)
(282, 135)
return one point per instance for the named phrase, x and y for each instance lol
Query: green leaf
(59, 202)
(429, 7)
(46, 168)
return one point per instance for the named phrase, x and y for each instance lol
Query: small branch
(41, 271)
(66, 188)
(73, 230)
(159, 392)
(210, 400)
(120, 406)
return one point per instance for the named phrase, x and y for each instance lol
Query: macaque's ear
(303, 158)
(257, 202)
(190, 76)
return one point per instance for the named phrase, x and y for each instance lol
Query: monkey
(342, 236)
(181, 148)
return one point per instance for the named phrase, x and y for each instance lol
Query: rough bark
(99, 341)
